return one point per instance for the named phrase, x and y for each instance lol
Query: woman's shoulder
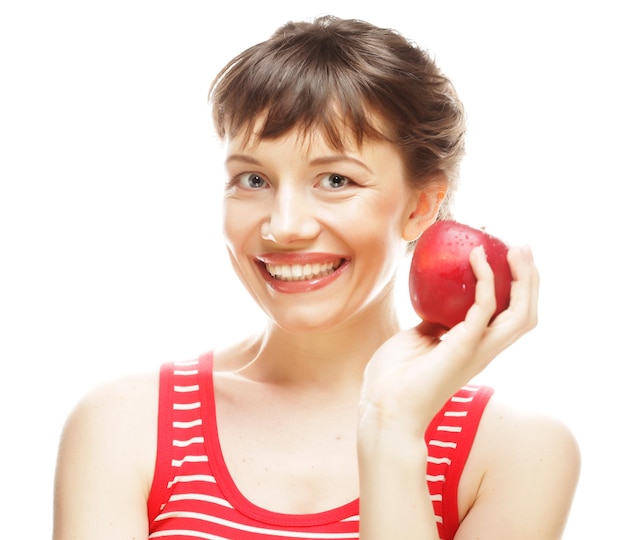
(507, 427)
(125, 395)
(117, 417)
(106, 458)
(520, 452)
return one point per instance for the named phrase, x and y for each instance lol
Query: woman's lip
(301, 285)
(299, 258)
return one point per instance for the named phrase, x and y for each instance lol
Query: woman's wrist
(380, 435)
(395, 503)
(379, 422)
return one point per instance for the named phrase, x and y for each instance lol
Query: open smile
(300, 273)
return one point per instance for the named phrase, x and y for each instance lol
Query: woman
(342, 143)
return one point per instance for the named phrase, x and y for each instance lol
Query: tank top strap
(449, 438)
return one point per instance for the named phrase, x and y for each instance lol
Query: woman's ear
(425, 207)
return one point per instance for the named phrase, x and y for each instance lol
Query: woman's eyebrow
(324, 160)
(244, 158)
(337, 158)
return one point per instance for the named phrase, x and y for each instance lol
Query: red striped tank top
(193, 495)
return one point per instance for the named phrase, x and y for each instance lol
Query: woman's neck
(334, 356)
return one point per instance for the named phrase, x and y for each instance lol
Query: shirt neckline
(345, 512)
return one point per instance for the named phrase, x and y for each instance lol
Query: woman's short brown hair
(345, 76)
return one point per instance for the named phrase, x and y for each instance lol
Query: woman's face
(314, 233)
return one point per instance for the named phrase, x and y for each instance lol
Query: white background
(111, 257)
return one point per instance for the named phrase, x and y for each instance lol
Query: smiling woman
(303, 219)
(343, 142)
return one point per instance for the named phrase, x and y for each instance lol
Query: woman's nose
(292, 218)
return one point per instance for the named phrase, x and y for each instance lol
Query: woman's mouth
(302, 272)
(297, 273)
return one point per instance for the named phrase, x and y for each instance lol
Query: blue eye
(334, 181)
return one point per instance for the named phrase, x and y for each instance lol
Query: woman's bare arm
(409, 379)
(532, 465)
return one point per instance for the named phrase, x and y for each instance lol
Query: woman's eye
(334, 181)
(252, 181)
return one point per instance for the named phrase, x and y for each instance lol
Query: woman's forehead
(333, 131)
(308, 143)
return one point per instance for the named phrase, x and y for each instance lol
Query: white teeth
(302, 272)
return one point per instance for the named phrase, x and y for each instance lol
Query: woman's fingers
(521, 315)
(525, 287)
(484, 306)
(477, 340)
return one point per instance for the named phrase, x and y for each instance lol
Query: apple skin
(442, 284)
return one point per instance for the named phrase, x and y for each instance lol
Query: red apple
(442, 284)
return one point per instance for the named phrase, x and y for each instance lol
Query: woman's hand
(413, 374)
